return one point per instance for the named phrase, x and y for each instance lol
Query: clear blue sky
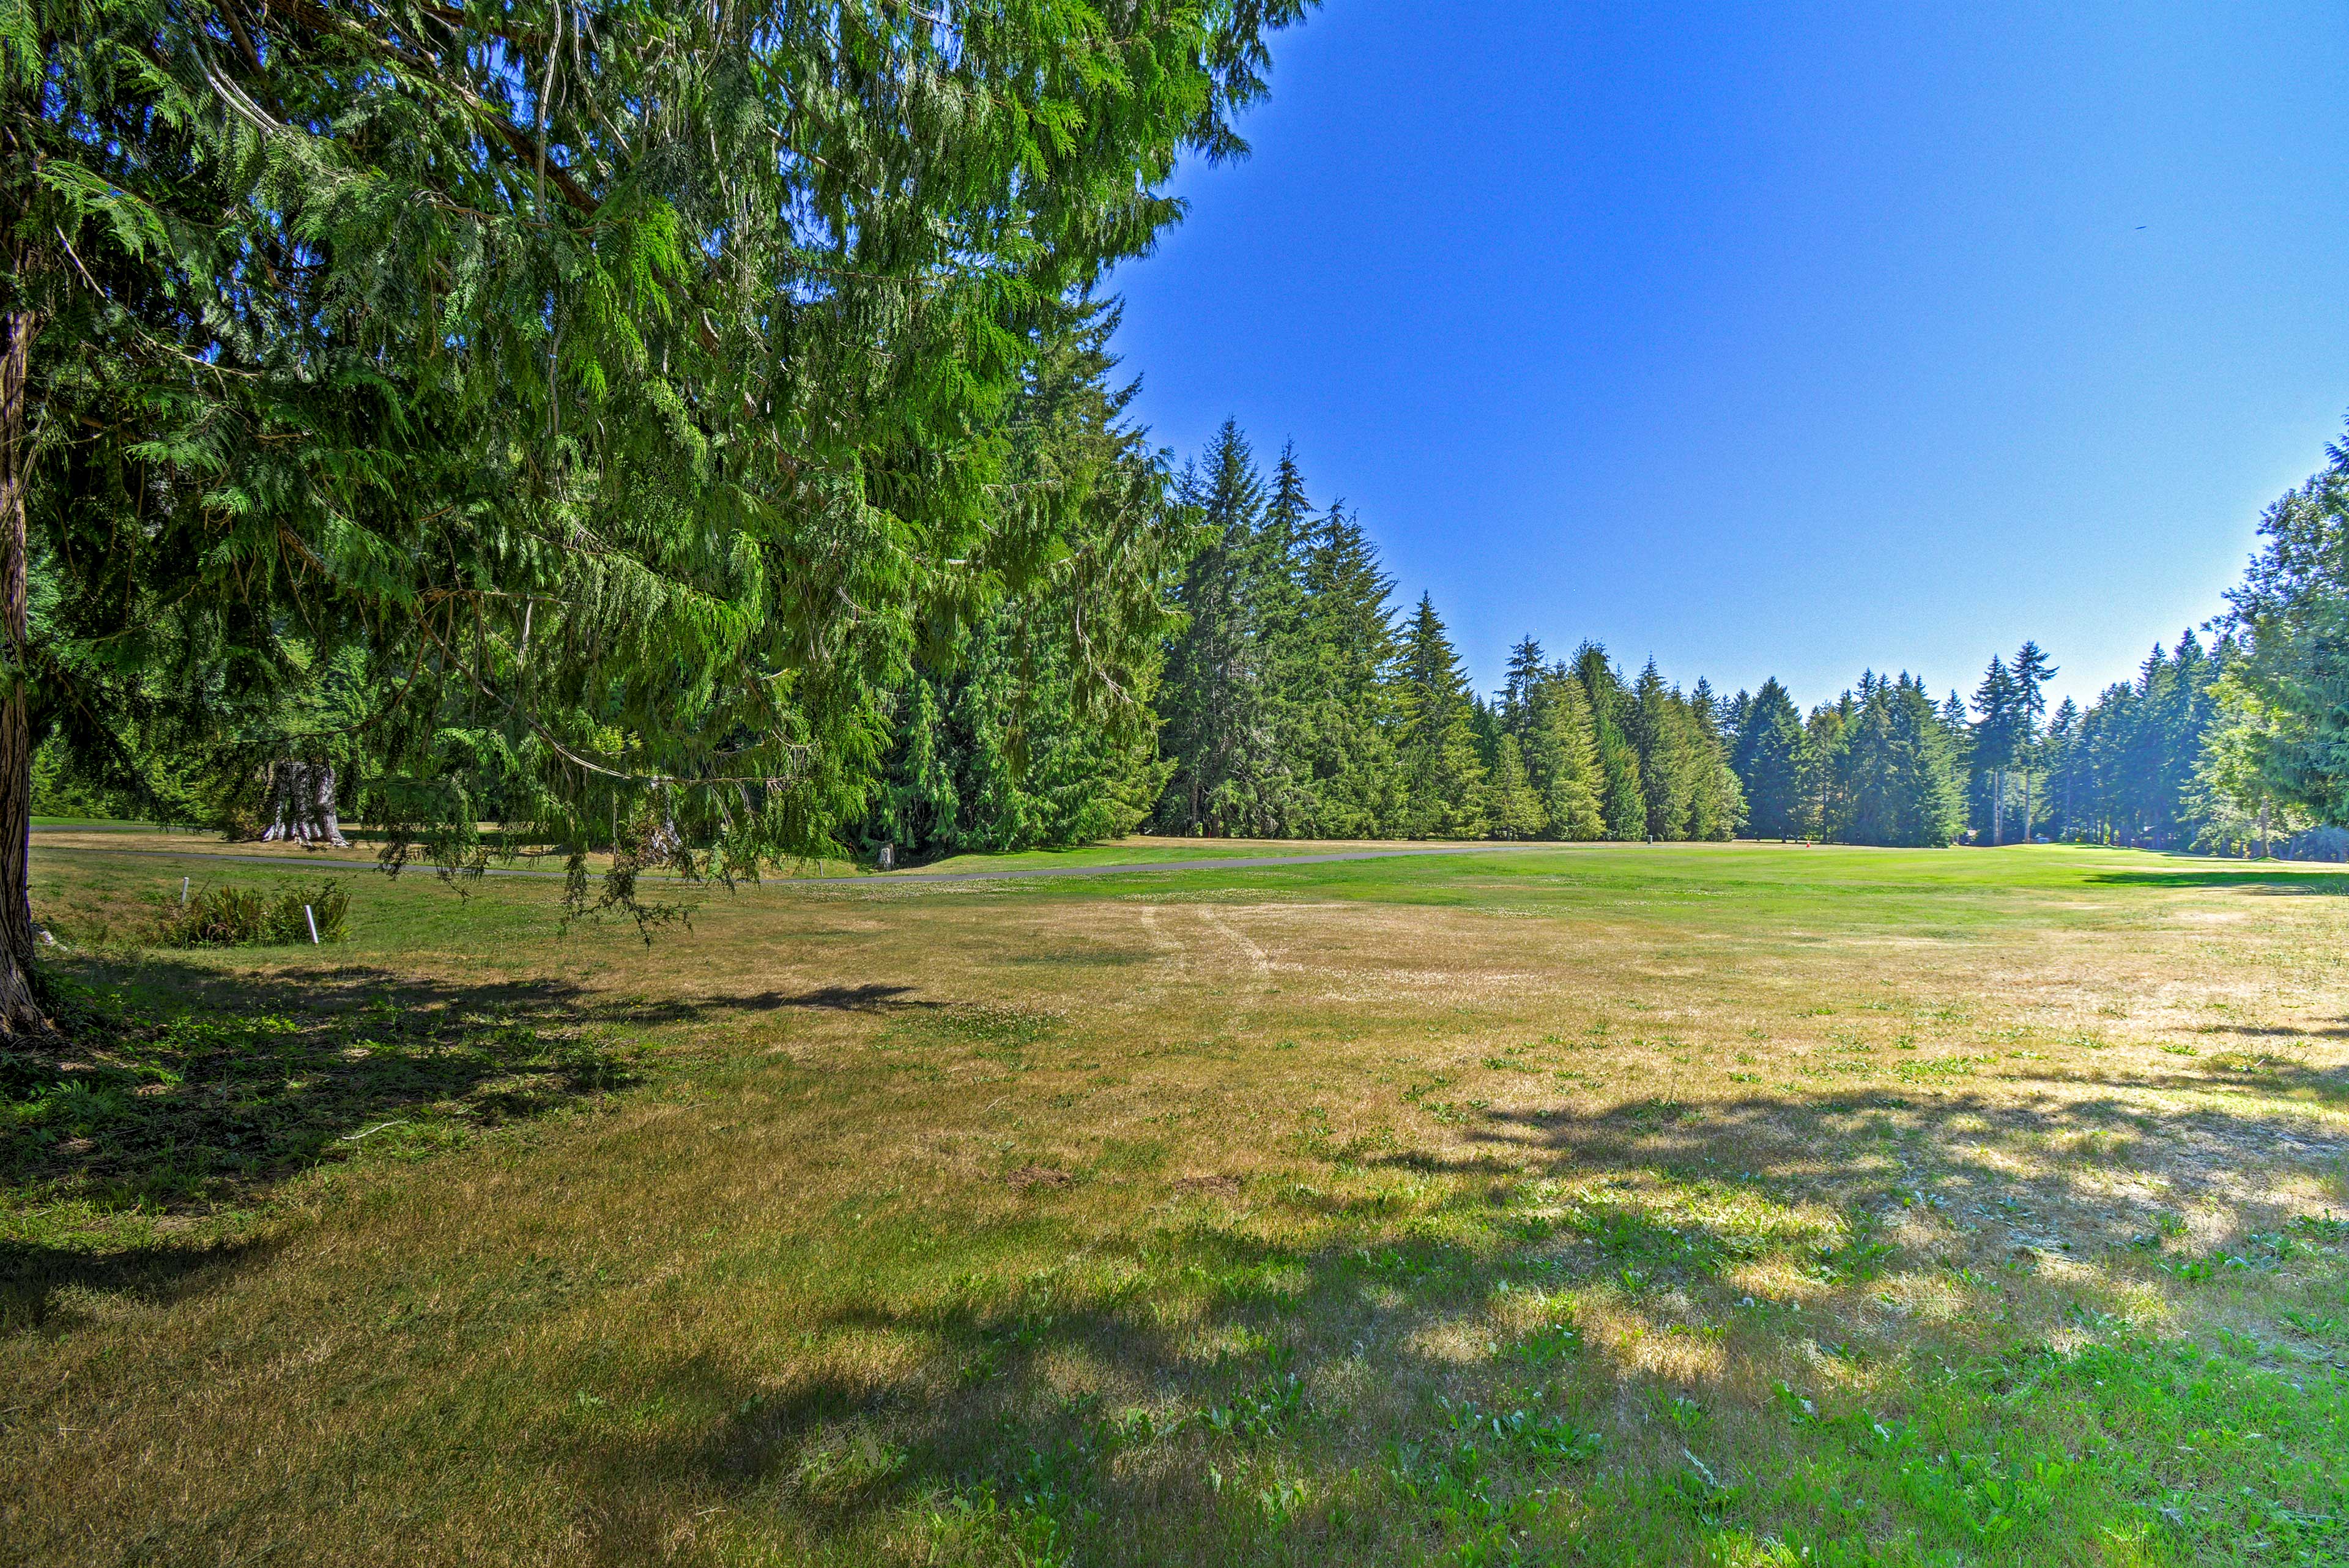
(1792, 339)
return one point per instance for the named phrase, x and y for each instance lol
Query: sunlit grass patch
(1618, 1230)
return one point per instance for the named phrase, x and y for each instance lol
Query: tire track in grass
(1259, 964)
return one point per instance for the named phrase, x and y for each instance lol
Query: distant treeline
(1293, 700)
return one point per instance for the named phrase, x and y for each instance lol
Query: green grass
(1144, 850)
(1723, 1204)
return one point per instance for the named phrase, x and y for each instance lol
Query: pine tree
(1542, 708)
(1895, 777)
(920, 807)
(1561, 749)
(1997, 731)
(1277, 596)
(1227, 775)
(1512, 809)
(2234, 798)
(1622, 801)
(1350, 656)
(2290, 618)
(1526, 670)
(1717, 806)
(1770, 757)
(1826, 785)
(1438, 750)
(2030, 673)
(1655, 723)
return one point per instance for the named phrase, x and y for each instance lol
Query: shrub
(250, 917)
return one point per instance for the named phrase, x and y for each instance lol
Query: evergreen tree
(1655, 722)
(1561, 749)
(1227, 777)
(1350, 653)
(1526, 671)
(2031, 674)
(1717, 806)
(1512, 810)
(623, 390)
(1826, 790)
(996, 744)
(2234, 800)
(1622, 800)
(1277, 596)
(1901, 783)
(1543, 708)
(1771, 759)
(1443, 774)
(1997, 732)
(2291, 616)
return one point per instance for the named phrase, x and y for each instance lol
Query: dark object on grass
(302, 803)
(230, 917)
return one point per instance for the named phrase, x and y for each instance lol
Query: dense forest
(1292, 698)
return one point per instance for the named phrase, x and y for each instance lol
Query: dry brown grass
(922, 1183)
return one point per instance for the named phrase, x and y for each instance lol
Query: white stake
(314, 924)
(183, 892)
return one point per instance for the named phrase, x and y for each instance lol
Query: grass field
(1725, 1204)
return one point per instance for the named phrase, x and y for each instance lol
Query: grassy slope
(1624, 1205)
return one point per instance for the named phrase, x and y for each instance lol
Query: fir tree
(1438, 750)
(1561, 747)
(1656, 722)
(2291, 616)
(1622, 802)
(1512, 810)
(1350, 652)
(624, 389)
(1227, 774)
(1901, 783)
(1770, 757)
(1544, 710)
(1997, 732)
(1717, 806)
(2030, 673)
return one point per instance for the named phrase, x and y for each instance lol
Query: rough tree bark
(302, 803)
(20, 1009)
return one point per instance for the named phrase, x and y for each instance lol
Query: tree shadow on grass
(2332, 884)
(1077, 1414)
(982, 1435)
(2030, 1163)
(188, 1089)
(38, 1280)
(246, 1080)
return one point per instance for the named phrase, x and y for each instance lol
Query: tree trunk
(1998, 805)
(20, 1009)
(2026, 805)
(302, 803)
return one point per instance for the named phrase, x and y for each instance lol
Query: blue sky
(1795, 339)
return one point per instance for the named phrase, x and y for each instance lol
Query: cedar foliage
(624, 402)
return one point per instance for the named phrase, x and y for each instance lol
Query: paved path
(1221, 863)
